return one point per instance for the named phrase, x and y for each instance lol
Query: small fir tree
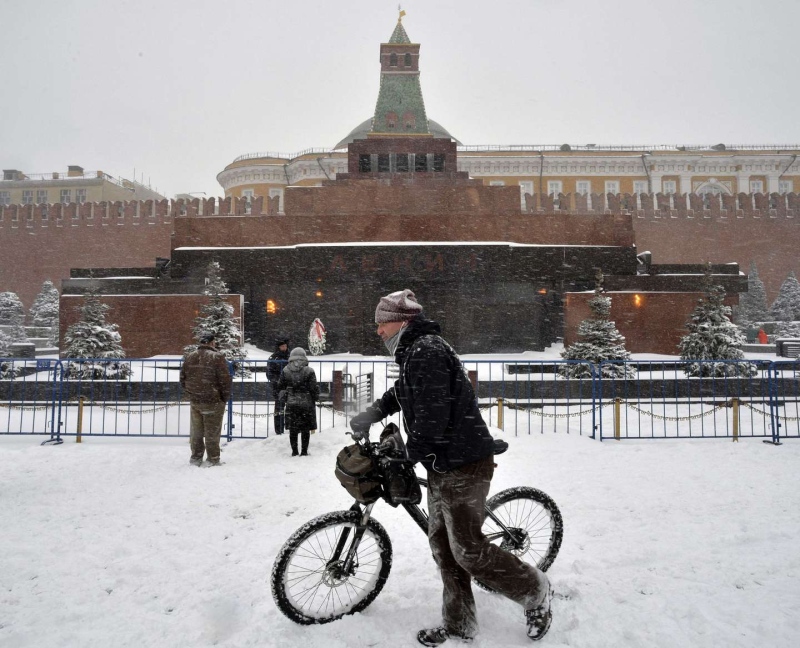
(712, 336)
(12, 314)
(753, 304)
(96, 342)
(786, 307)
(788, 330)
(7, 369)
(44, 311)
(600, 340)
(217, 317)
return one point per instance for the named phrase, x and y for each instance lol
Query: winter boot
(305, 437)
(194, 461)
(539, 618)
(437, 636)
(293, 442)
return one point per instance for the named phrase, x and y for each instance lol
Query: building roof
(399, 34)
(360, 132)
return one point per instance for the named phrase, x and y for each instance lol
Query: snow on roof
(395, 244)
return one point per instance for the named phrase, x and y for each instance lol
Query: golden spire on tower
(402, 13)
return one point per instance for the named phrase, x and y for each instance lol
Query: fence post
(735, 406)
(500, 412)
(337, 390)
(80, 418)
(617, 418)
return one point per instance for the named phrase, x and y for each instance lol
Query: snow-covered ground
(119, 542)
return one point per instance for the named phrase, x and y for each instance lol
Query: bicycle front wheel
(311, 582)
(534, 524)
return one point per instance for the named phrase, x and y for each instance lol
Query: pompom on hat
(400, 306)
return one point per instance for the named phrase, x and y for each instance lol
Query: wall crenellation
(659, 205)
(133, 211)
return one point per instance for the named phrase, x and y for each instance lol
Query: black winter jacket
(444, 426)
(299, 382)
(276, 364)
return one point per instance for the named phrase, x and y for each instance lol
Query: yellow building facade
(73, 186)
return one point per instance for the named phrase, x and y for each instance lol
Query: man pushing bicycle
(448, 436)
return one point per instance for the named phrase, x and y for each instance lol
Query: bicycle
(338, 563)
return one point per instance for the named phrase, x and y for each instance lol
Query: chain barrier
(763, 413)
(659, 417)
(25, 408)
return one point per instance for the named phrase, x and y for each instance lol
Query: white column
(743, 182)
(686, 184)
(772, 183)
(655, 182)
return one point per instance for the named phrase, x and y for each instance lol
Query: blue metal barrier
(624, 400)
(659, 400)
(29, 395)
(784, 407)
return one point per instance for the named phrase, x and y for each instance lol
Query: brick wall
(655, 323)
(149, 324)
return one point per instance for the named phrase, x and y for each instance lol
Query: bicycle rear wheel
(534, 524)
(310, 583)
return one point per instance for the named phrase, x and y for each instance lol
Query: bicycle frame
(420, 517)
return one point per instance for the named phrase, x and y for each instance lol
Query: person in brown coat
(206, 379)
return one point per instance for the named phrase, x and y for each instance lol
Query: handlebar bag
(357, 474)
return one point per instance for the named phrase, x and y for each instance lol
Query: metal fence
(612, 400)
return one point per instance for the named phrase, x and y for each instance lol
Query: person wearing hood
(298, 387)
(277, 361)
(448, 436)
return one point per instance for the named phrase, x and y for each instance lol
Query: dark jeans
(205, 428)
(278, 410)
(455, 506)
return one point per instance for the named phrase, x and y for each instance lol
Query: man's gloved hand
(361, 423)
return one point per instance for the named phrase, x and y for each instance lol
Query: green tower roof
(400, 108)
(399, 34)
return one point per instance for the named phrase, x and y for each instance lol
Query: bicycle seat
(500, 446)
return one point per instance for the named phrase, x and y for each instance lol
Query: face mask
(392, 343)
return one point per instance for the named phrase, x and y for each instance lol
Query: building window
(383, 163)
(756, 186)
(408, 59)
(669, 187)
(5, 197)
(409, 121)
(785, 186)
(392, 60)
(612, 187)
(438, 162)
(497, 183)
(80, 195)
(402, 162)
(247, 196)
(27, 196)
(639, 186)
(525, 187)
(583, 187)
(554, 187)
(66, 196)
(41, 196)
(391, 120)
(420, 162)
(364, 163)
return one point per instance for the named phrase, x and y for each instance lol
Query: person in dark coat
(277, 361)
(299, 389)
(448, 436)
(207, 381)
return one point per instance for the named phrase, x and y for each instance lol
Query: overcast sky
(176, 89)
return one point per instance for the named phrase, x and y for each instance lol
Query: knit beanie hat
(298, 354)
(399, 306)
